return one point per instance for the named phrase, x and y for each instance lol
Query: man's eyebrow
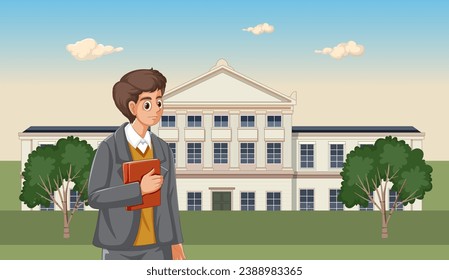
(149, 98)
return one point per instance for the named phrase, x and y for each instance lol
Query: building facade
(237, 149)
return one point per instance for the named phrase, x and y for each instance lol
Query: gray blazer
(116, 227)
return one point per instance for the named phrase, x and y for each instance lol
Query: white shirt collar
(135, 140)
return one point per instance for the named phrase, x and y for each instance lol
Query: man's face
(149, 108)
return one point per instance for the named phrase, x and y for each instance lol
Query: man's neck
(140, 128)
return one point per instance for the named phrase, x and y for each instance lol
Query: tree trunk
(66, 222)
(384, 232)
(66, 232)
(384, 212)
(384, 228)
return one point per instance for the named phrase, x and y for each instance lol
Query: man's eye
(147, 106)
(159, 103)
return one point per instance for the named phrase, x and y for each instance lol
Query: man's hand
(151, 183)
(178, 252)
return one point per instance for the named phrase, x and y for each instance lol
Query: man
(149, 233)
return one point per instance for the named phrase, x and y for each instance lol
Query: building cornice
(32, 135)
(244, 174)
(317, 175)
(228, 106)
(239, 174)
(360, 135)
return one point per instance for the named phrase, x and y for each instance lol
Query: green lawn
(254, 235)
(243, 252)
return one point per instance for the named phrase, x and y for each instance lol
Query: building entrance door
(221, 201)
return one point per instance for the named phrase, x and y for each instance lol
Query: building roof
(354, 129)
(230, 89)
(295, 129)
(70, 129)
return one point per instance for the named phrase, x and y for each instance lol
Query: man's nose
(157, 108)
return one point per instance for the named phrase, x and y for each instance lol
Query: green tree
(375, 168)
(51, 170)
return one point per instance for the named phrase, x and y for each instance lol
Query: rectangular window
(194, 121)
(220, 153)
(43, 144)
(247, 121)
(273, 201)
(194, 201)
(247, 201)
(335, 205)
(173, 149)
(73, 198)
(307, 152)
(194, 153)
(220, 121)
(274, 153)
(274, 121)
(247, 152)
(306, 200)
(392, 196)
(370, 206)
(337, 155)
(168, 121)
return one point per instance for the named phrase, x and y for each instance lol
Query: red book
(133, 171)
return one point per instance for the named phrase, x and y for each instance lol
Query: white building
(236, 148)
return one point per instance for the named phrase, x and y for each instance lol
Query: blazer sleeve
(102, 194)
(173, 200)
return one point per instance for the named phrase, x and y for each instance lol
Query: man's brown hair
(132, 84)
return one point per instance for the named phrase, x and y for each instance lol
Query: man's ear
(132, 107)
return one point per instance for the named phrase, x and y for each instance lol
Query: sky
(400, 56)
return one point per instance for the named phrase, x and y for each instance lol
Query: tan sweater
(146, 234)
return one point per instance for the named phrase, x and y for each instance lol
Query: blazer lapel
(122, 144)
(158, 151)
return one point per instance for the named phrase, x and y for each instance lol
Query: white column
(234, 149)
(287, 145)
(295, 194)
(207, 145)
(417, 205)
(181, 145)
(416, 144)
(322, 155)
(261, 152)
(27, 148)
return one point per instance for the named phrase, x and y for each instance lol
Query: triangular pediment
(224, 85)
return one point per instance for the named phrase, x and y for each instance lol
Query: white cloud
(343, 49)
(260, 28)
(88, 49)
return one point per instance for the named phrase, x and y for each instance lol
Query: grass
(246, 228)
(246, 235)
(243, 252)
